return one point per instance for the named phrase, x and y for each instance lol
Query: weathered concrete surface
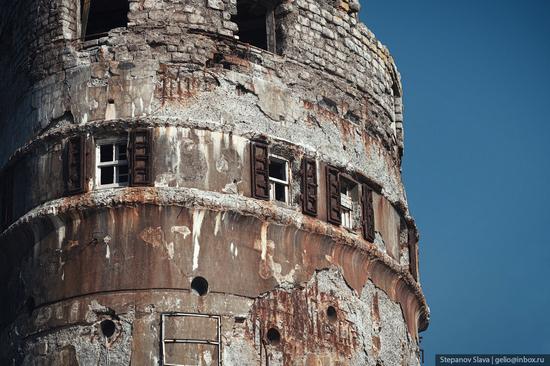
(71, 265)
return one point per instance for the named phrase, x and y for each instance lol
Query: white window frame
(274, 181)
(114, 163)
(346, 204)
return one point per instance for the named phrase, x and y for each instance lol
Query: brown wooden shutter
(309, 186)
(367, 213)
(259, 160)
(140, 158)
(334, 214)
(75, 165)
(413, 258)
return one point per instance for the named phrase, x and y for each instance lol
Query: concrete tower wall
(99, 273)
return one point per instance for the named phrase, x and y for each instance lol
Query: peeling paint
(198, 216)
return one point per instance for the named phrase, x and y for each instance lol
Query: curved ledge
(394, 279)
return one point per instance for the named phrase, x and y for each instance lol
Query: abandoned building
(203, 182)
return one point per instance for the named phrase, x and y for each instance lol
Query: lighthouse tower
(202, 182)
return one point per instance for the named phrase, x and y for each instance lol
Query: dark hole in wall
(273, 336)
(252, 21)
(103, 16)
(108, 328)
(332, 315)
(199, 285)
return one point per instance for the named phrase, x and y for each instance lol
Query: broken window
(349, 197)
(100, 16)
(190, 339)
(112, 164)
(278, 179)
(256, 22)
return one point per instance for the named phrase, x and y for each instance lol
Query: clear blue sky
(476, 77)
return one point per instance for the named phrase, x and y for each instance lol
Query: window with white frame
(278, 179)
(349, 195)
(111, 163)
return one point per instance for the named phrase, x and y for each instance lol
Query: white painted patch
(218, 222)
(207, 357)
(170, 249)
(110, 112)
(182, 230)
(107, 240)
(198, 216)
(263, 239)
(234, 250)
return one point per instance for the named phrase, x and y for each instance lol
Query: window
(348, 202)
(278, 179)
(100, 16)
(256, 21)
(112, 164)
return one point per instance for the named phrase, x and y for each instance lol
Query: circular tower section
(203, 182)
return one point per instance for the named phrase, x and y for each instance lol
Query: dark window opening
(100, 16)
(256, 21)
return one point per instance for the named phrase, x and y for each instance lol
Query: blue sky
(477, 171)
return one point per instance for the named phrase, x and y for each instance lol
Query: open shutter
(368, 214)
(271, 31)
(259, 160)
(85, 12)
(413, 258)
(140, 158)
(309, 186)
(75, 165)
(334, 214)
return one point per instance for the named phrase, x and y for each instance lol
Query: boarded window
(100, 16)
(334, 215)
(256, 22)
(309, 187)
(140, 160)
(260, 170)
(368, 214)
(75, 165)
(190, 339)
